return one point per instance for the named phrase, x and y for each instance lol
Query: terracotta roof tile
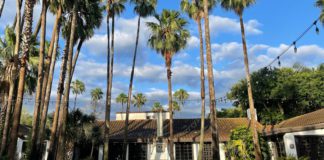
(185, 130)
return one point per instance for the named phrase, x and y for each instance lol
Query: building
(149, 132)
(299, 136)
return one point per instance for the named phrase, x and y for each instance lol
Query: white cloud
(227, 25)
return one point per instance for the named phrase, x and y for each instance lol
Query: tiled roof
(312, 118)
(185, 130)
(309, 121)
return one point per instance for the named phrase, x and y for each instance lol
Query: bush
(240, 146)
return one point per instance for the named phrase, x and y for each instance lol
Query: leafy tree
(168, 37)
(230, 113)
(122, 98)
(157, 107)
(241, 146)
(139, 100)
(176, 106)
(281, 93)
(78, 87)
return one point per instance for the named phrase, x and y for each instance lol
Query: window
(310, 146)
(138, 151)
(207, 152)
(183, 151)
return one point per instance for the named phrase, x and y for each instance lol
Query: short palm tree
(122, 99)
(181, 95)
(139, 100)
(176, 106)
(238, 7)
(96, 96)
(78, 87)
(168, 37)
(157, 107)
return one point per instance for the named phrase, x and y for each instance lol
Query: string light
(294, 44)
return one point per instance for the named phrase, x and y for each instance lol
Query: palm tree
(181, 95)
(168, 37)
(114, 8)
(320, 4)
(157, 107)
(195, 11)
(212, 98)
(37, 107)
(29, 7)
(139, 100)
(96, 96)
(143, 8)
(50, 62)
(122, 98)
(77, 88)
(238, 7)
(65, 103)
(176, 106)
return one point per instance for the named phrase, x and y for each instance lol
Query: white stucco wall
(141, 115)
(289, 140)
(153, 155)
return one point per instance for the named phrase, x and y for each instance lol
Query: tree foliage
(282, 93)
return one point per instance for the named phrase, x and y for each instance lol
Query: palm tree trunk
(12, 84)
(7, 120)
(37, 108)
(107, 114)
(76, 56)
(2, 2)
(14, 24)
(130, 88)
(212, 98)
(60, 90)
(168, 62)
(65, 104)
(202, 92)
(257, 149)
(29, 7)
(48, 74)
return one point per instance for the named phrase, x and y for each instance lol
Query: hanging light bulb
(279, 63)
(317, 30)
(295, 47)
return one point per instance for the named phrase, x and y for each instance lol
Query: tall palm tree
(157, 107)
(181, 95)
(122, 99)
(37, 106)
(238, 7)
(50, 61)
(96, 96)
(143, 8)
(168, 37)
(114, 8)
(65, 103)
(195, 11)
(29, 7)
(78, 87)
(212, 97)
(139, 100)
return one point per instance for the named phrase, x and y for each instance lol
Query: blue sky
(270, 27)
